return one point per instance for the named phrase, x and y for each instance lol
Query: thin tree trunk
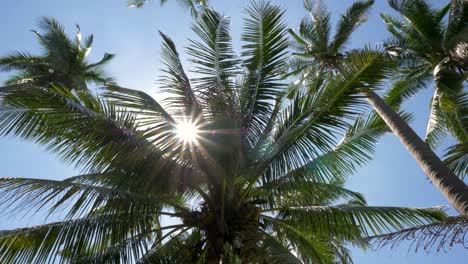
(454, 189)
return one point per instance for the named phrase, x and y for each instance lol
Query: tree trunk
(454, 189)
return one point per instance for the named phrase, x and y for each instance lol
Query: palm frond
(276, 252)
(214, 59)
(457, 27)
(264, 53)
(308, 247)
(315, 118)
(176, 82)
(81, 129)
(348, 23)
(104, 60)
(181, 247)
(125, 251)
(407, 85)
(320, 24)
(435, 131)
(20, 61)
(24, 194)
(456, 158)
(371, 219)
(59, 47)
(42, 244)
(291, 192)
(424, 20)
(444, 235)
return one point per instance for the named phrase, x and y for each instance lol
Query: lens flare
(187, 131)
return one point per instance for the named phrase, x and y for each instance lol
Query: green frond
(214, 59)
(59, 47)
(310, 123)
(297, 192)
(160, 124)
(435, 131)
(457, 28)
(105, 59)
(456, 158)
(454, 108)
(407, 85)
(348, 23)
(309, 248)
(369, 219)
(42, 244)
(353, 150)
(77, 198)
(264, 52)
(176, 83)
(20, 61)
(81, 129)
(122, 252)
(425, 23)
(181, 247)
(275, 251)
(320, 24)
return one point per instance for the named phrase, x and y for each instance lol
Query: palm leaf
(176, 82)
(41, 244)
(372, 219)
(354, 16)
(441, 236)
(214, 59)
(265, 46)
(456, 159)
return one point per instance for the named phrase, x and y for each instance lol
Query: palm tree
(243, 173)
(194, 6)
(64, 61)
(316, 56)
(430, 51)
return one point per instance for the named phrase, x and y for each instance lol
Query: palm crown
(64, 61)
(318, 51)
(431, 50)
(262, 179)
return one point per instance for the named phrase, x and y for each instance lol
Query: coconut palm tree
(317, 56)
(316, 50)
(64, 61)
(432, 51)
(242, 173)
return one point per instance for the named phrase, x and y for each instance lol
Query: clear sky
(391, 179)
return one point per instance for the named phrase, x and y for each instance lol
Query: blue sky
(392, 178)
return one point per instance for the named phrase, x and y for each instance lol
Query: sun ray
(187, 131)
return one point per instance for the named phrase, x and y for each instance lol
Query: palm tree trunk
(454, 189)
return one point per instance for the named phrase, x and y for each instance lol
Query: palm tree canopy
(316, 49)
(260, 177)
(430, 50)
(64, 61)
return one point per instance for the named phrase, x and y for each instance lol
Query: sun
(187, 131)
